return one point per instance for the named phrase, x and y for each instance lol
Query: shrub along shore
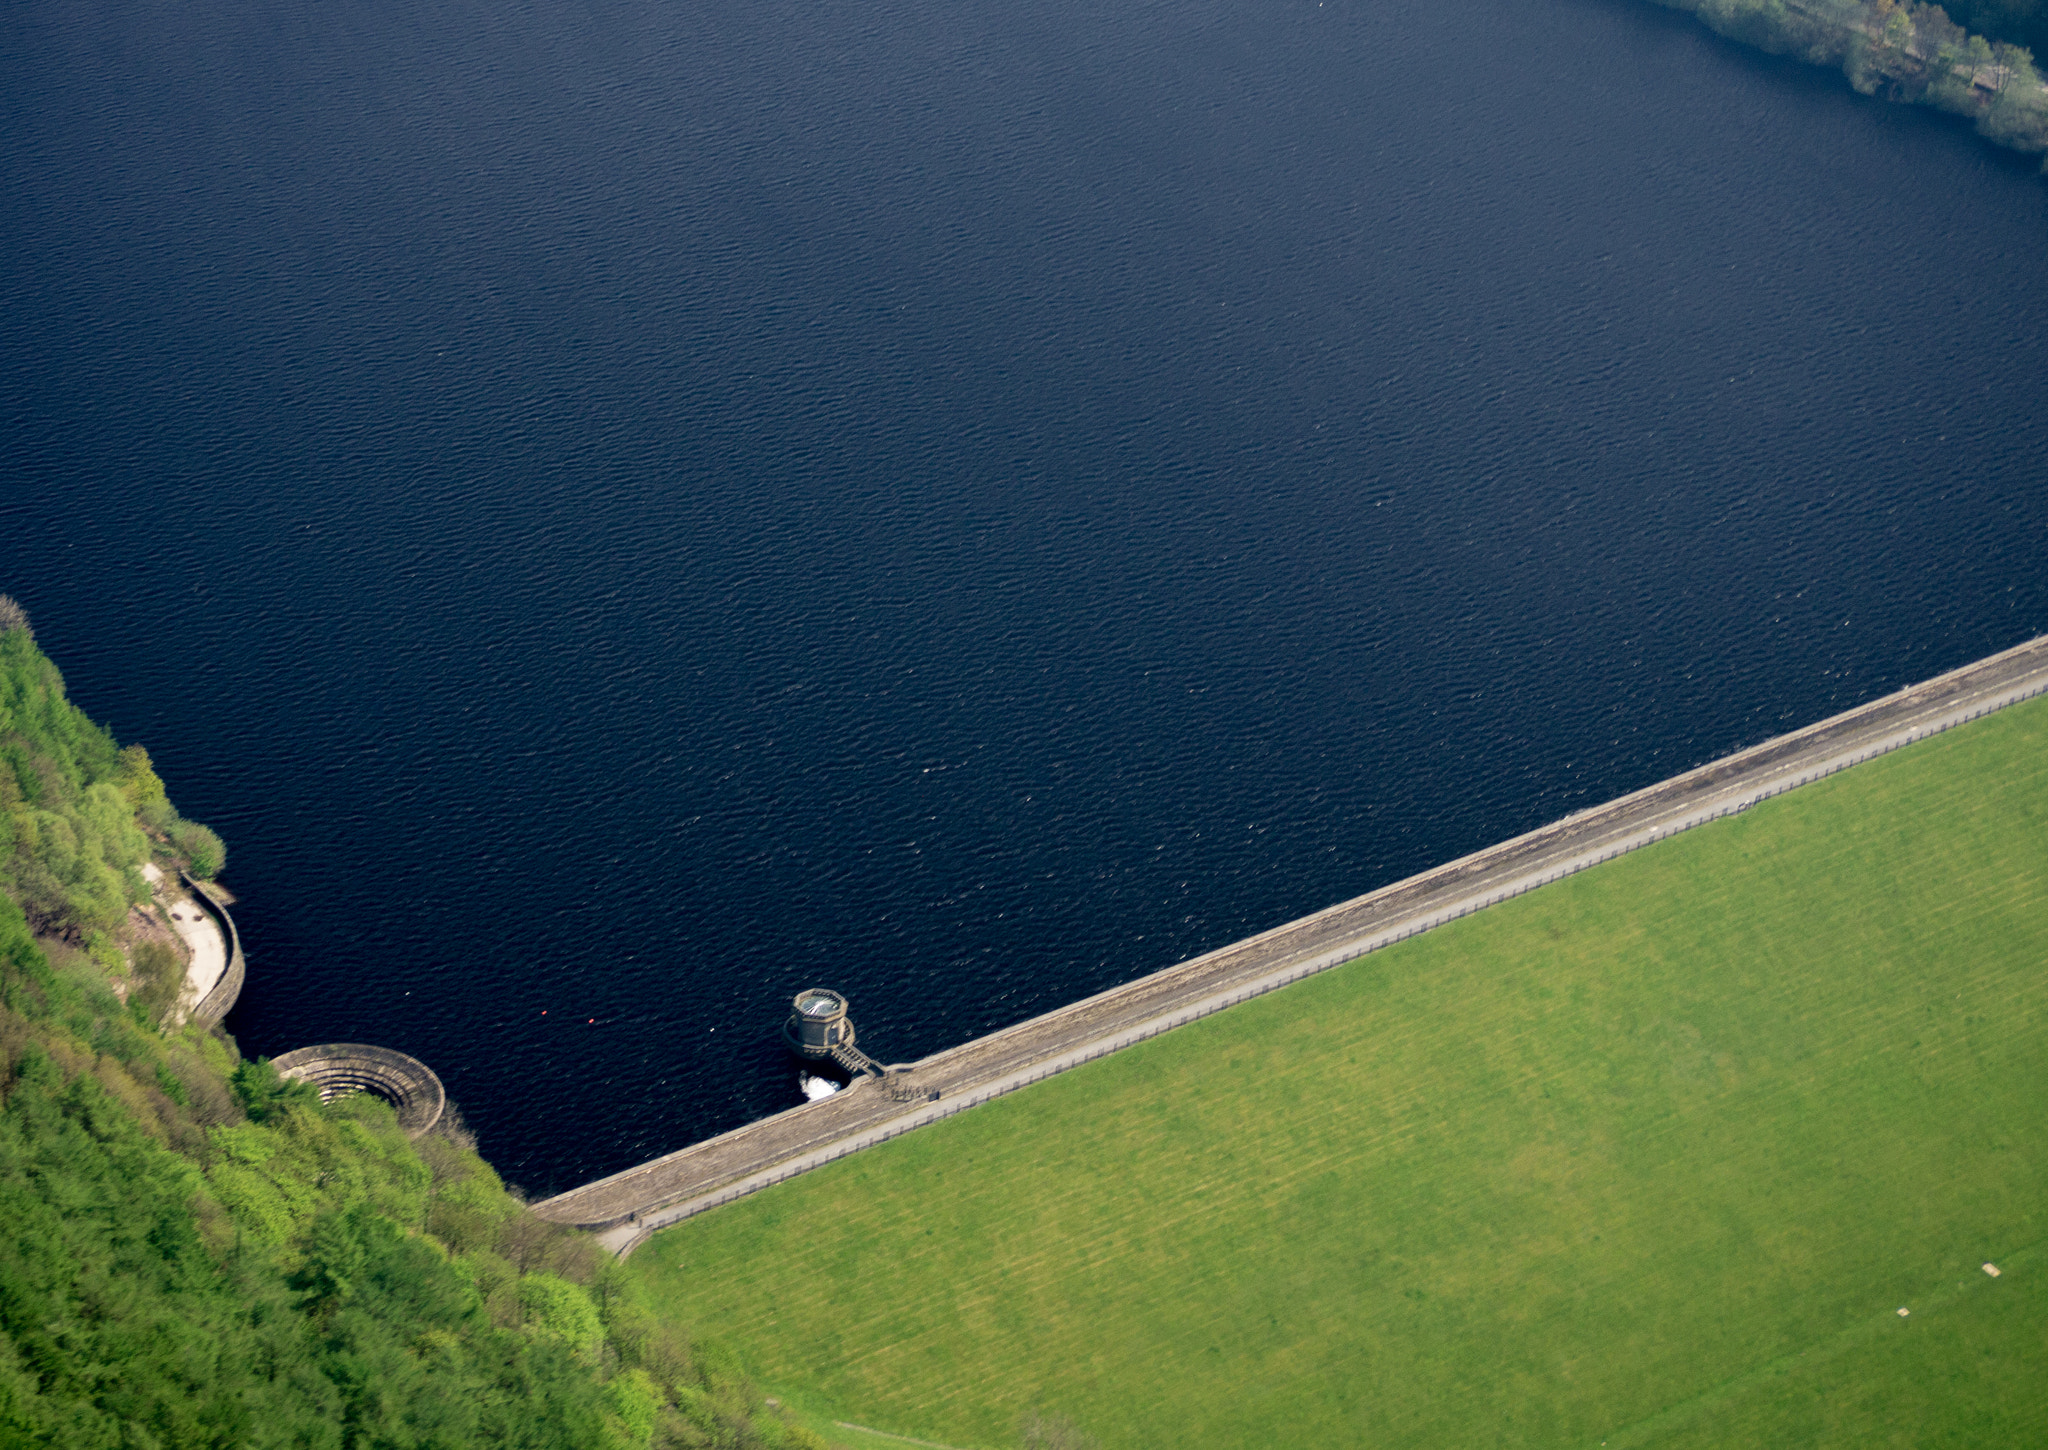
(1903, 51)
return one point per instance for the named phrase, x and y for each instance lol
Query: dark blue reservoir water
(622, 510)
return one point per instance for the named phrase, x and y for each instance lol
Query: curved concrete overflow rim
(339, 1068)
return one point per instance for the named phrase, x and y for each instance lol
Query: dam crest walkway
(627, 1207)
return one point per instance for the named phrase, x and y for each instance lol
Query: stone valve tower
(818, 1027)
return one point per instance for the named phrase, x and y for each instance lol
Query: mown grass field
(1649, 1157)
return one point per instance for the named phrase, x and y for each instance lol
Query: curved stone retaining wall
(215, 1004)
(406, 1083)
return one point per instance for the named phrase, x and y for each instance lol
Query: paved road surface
(628, 1206)
(202, 935)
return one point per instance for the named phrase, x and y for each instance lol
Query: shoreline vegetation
(1909, 53)
(201, 1255)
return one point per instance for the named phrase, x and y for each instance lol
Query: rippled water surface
(622, 510)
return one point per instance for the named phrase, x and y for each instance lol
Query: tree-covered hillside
(2019, 22)
(200, 1255)
(1908, 52)
(78, 815)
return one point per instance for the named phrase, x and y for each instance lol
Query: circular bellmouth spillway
(340, 1068)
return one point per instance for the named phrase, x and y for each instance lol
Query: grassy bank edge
(1873, 777)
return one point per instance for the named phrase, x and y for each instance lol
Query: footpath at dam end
(625, 1208)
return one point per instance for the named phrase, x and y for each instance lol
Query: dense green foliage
(1650, 1156)
(1910, 52)
(76, 812)
(2016, 22)
(178, 1272)
(198, 1254)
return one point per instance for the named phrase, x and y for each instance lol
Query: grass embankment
(1651, 1157)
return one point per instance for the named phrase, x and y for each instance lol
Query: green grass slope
(1649, 1157)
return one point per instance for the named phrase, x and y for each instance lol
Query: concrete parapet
(336, 1068)
(216, 1004)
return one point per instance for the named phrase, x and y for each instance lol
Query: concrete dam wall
(625, 1207)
